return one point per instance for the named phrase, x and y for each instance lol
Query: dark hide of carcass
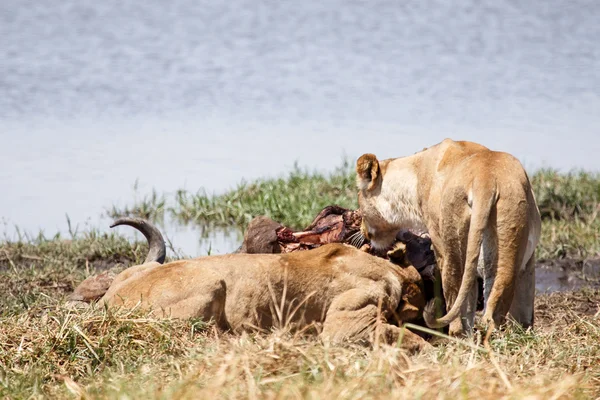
(334, 224)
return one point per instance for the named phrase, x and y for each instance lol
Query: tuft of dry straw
(50, 351)
(111, 353)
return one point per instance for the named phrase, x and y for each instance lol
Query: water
(189, 94)
(559, 280)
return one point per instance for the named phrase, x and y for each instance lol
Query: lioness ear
(367, 171)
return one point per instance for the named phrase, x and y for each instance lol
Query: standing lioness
(479, 209)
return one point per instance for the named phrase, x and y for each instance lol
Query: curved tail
(480, 213)
(156, 243)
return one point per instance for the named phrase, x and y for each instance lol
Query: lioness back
(258, 280)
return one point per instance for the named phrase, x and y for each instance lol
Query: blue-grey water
(95, 95)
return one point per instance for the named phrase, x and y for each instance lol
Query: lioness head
(375, 227)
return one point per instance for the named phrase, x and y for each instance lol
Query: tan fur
(472, 201)
(336, 286)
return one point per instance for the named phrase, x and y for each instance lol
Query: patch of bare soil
(562, 308)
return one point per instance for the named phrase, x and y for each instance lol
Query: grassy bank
(48, 350)
(54, 266)
(569, 203)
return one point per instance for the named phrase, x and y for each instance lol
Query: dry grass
(47, 350)
(97, 353)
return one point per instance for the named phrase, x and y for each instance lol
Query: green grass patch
(577, 239)
(568, 202)
(36, 267)
(567, 196)
(294, 199)
(150, 207)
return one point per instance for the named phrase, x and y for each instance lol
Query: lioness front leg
(354, 315)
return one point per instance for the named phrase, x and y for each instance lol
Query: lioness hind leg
(351, 314)
(344, 325)
(354, 316)
(205, 300)
(361, 325)
(452, 241)
(451, 281)
(521, 308)
(503, 289)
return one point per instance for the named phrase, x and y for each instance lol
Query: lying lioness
(479, 209)
(348, 293)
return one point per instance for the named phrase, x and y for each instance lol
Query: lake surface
(190, 94)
